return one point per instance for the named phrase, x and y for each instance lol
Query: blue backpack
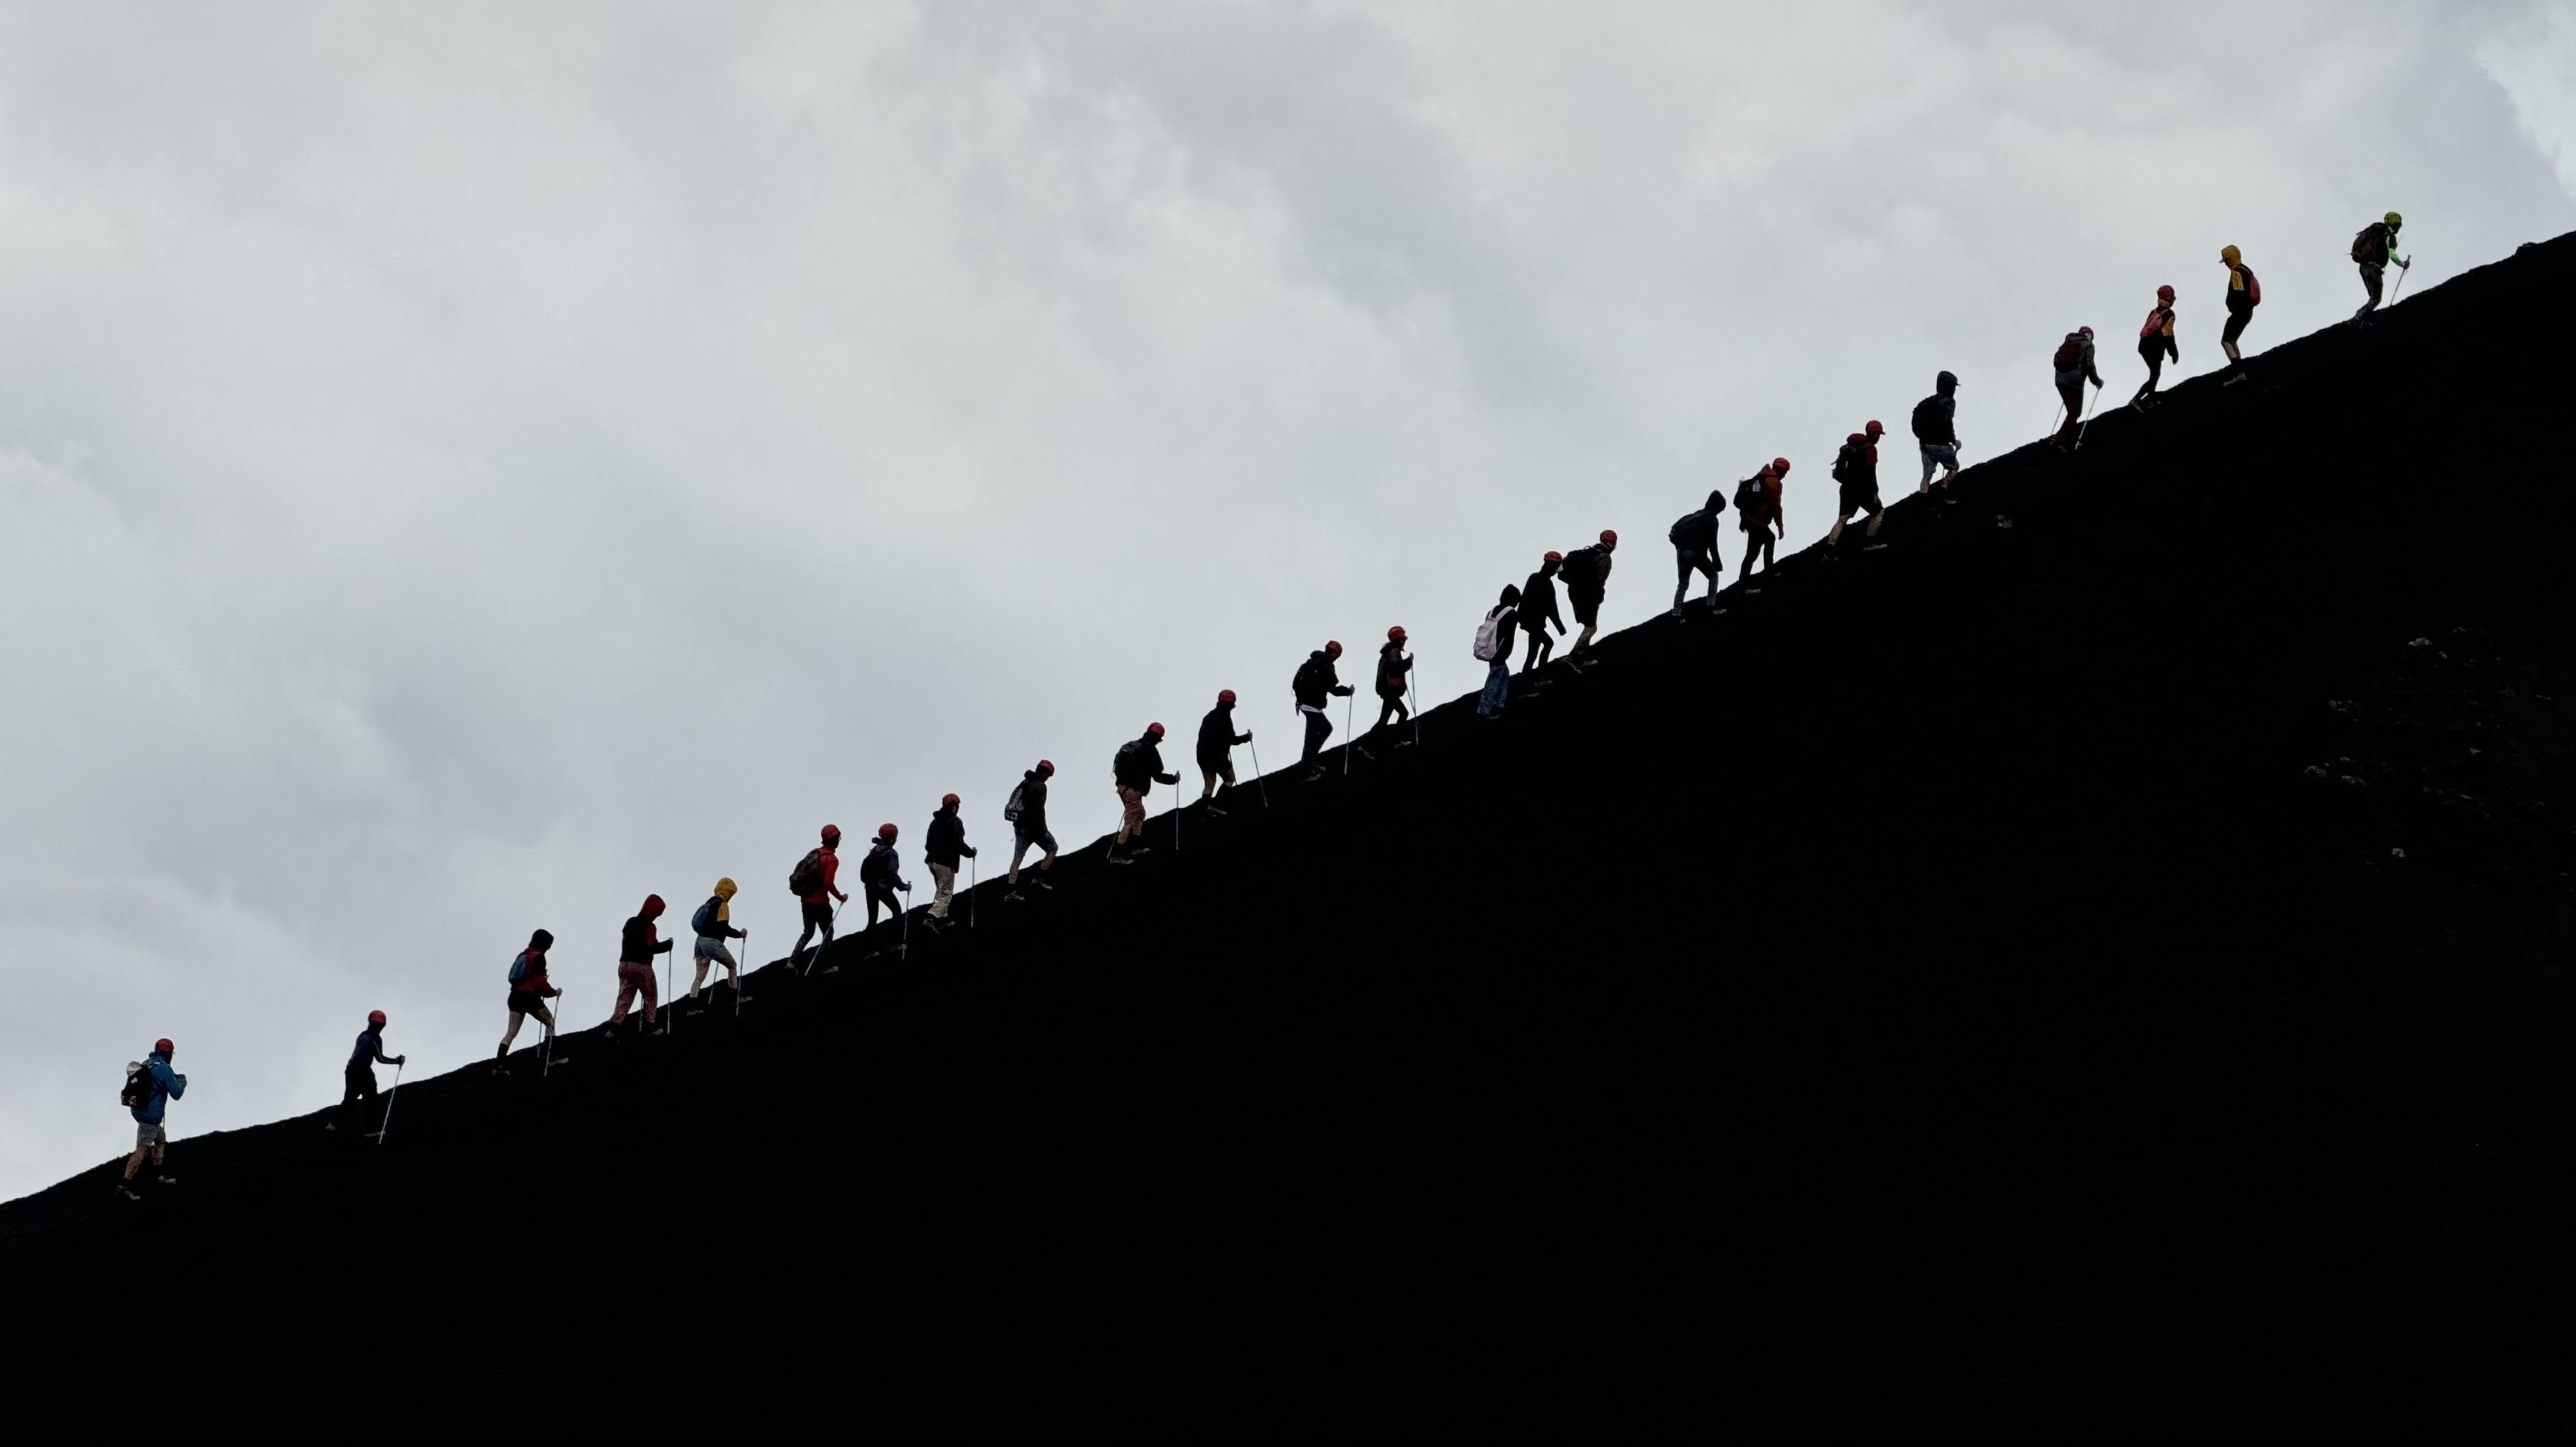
(519, 968)
(704, 921)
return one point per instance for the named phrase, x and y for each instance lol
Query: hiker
(1936, 431)
(1538, 613)
(1758, 513)
(1026, 810)
(2074, 364)
(881, 876)
(1137, 768)
(1856, 468)
(529, 992)
(2156, 346)
(942, 849)
(1314, 682)
(814, 881)
(1392, 668)
(1694, 540)
(1217, 739)
(2372, 250)
(714, 924)
(358, 1080)
(149, 1088)
(1587, 579)
(1494, 647)
(2244, 293)
(636, 947)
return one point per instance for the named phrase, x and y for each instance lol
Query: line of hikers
(1527, 608)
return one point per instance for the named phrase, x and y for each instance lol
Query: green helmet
(2395, 220)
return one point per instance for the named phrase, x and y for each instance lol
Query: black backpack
(2370, 244)
(875, 868)
(1749, 495)
(1011, 806)
(1927, 419)
(1691, 530)
(1843, 463)
(138, 1086)
(807, 876)
(1297, 683)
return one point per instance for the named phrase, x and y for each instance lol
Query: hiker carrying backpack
(807, 877)
(1011, 805)
(2370, 244)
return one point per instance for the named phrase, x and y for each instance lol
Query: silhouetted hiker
(529, 992)
(2074, 367)
(149, 1087)
(2244, 294)
(1587, 581)
(1392, 666)
(814, 881)
(2156, 346)
(1856, 468)
(1758, 513)
(1136, 768)
(1538, 611)
(1217, 739)
(2372, 250)
(636, 948)
(943, 849)
(1026, 809)
(1494, 647)
(1314, 682)
(1936, 431)
(714, 924)
(881, 876)
(358, 1081)
(1694, 540)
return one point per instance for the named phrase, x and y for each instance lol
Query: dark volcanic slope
(2139, 842)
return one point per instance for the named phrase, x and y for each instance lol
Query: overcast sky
(465, 467)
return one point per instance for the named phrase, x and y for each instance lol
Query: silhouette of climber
(1392, 668)
(1026, 811)
(2074, 367)
(1217, 739)
(358, 1081)
(1587, 582)
(714, 925)
(1505, 613)
(1314, 682)
(819, 872)
(1537, 612)
(2156, 346)
(149, 1089)
(1758, 513)
(881, 876)
(1856, 469)
(1936, 432)
(1137, 767)
(636, 948)
(944, 847)
(2244, 293)
(1694, 540)
(2372, 251)
(529, 991)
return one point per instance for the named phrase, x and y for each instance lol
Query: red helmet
(887, 832)
(2164, 293)
(1553, 558)
(2087, 331)
(375, 1017)
(1225, 695)
(1153, 731)
(831, 831)
(1779, 467)
(948, 801)
(163, 1045)
(1875, 429)
(1609, 538)
(1333, 648)
(1395, 634)
(1045, 768)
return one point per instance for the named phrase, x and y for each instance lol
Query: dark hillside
(2132, 861)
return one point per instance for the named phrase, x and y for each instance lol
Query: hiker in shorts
(818, 873)
(1136, 768)
(1314, 683)
(1856, 468)
(358, 1080)
(2074, 367)
(1694, 540)
(881, 876)
(149, 1088)
(1504, 615)
(1537, 612)
(2372, 251)
(1026, 811)
(1217, 739)
(2244, 293)
(1587, 582)
(1393, 667)
(714, 925)
(1758, 512)
(1936, 432)
(944, 847)
(637, 945)
(529, 992)
(2156, 346)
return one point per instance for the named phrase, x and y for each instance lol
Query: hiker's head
(2165, 294)
(831, 835)
(1946, 383)
(653, 906)
(163, 1048)
(886, 833)
(1511, 594)
(1609, 540)
(1877, 429)
(1332, 648)
(2394, 221)
(542, 941)
(1548, 565)
(1044, 769)
(376, 1019)
(1225, 698)
(1779, 467)
(727, 889)
(947, 803)
(2230, 255)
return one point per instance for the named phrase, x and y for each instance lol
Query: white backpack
(1489, 635)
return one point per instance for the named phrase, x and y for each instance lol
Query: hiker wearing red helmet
(1537, 613)
(1313, 683)
(1217, 739)
(1136, 768)
(1856, 468)
(150, 1085)
(2074, 364)
(529, 991)
(636, 947)
(1694, 540)
(1936, 432)
(1026, 811)
(358, 1080)
(881, 877)
(1393, 669)
(1758, 512)
(1587, 582)
(942, 849)
(815, 880)
(2156, 346)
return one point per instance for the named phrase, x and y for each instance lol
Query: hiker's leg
(943, 878)
(698, 979)
(134, 1162)
(512, 1033)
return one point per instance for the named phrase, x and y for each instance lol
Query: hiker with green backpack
(714, 924)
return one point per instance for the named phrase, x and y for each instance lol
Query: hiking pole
(1348, 738)
(388, 1122)
(549, 1068)
(2400, 286)
(1257, 781)
(974, 876)
(745, 970)
(1414, 697)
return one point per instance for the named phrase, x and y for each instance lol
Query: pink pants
(1132, 821)
(632, 977)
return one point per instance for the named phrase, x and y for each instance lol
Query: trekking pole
(1414, 697)
(1348, 738)
(2400, 286)
(903, 934)
(974, 875)
(388, 1122)
(737, 979)
(1176, 818)
(1257, 781)
(550, 1038)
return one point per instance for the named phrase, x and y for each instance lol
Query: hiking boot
(1676, 614)
(1313, 774)
(1041, 883)
(1214, 812)
(165, 1180)
(1014, 897)
(126, 1189)
(2232, 381)
(1120, 859)
(1363, 752)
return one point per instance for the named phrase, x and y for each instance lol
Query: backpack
(519, 967)
(1926, 419)
(875, 868)
(704, 921)
(2253, 288)
(138, 1086)
(807, 876)
(2070, 353)
(1691, 530)
(1580, 572)
(1489, 635)
(2370, 244)
(1843, 464)
(1011, 806)
(1749, 496)
(1118, 761)
(1297, 683)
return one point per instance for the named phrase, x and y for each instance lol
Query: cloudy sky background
(464, 468)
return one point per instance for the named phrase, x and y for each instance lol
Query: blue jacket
(167, 1085)
(370, 1052)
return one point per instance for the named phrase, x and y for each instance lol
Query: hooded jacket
(167, 1085)
(2243, 292)
(1538, 602)
(1587, 573)
(720, 918)
(1316, 680)
(2083, 368)
(1138, 765)
(881, 869)
(1033, 790)
(639, 945)
(1392, 666)
(1511, 609)
(528, 974)
(1217, 737)
(945, 844)
(1765, 513)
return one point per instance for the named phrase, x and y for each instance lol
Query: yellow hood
(2230, 255)
(726, 889)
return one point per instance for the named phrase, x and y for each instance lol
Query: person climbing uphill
(1392, 670)
(1217, 739)
(1587, 582)
(814, 881)
(1026, 812)
(2156, 346)
(1537, 612)
(1694, 540)
(1315, 682)
(1758, 512)
(2244, 293)
(358, 1079)
(635, 951)
(1936, 432)
(2372, 251)
(1494, 648)
(1136, 768)
(714, 925)
(149, 1088)
(1856, 469)
(2074, 367)
(529, 991)
(881, 877)
(943, 849)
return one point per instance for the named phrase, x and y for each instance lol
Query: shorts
(1860, 499)
(526, 1002)
(1946, 455)
(148, 1133)
(1023, 838)
(2235, 325)
(1587, 611)
(1222, 768)
(818, 911)
(710, 947)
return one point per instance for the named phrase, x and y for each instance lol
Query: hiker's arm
(664, 947)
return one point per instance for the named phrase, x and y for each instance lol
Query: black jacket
(1316, 680)
(1391, 670)
(1936, 420)
(946, 843)
(1033, 787)
(1503, 629)
(1139, 766)
(881, 867)
(1583, 574)
(1538, 602)
(1857, 466)
(1217, 737)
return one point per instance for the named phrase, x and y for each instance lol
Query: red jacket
(831, 863)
